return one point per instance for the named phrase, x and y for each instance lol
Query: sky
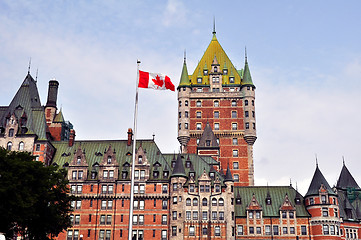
(304, 58)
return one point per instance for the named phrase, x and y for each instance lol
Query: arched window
(199, 104)
(195, 202)
(188, 202)
(221, 202)
(214, 202)
(186, 103)
(21, 146)
(11, 132)
(140, 159)
(246, 102)
(204, 202)
(234, 103)
(78, 160)
(9, 145)
(216, 103)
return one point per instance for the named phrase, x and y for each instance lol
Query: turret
(184, 90)
(248, 91)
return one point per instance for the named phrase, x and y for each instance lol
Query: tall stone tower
(219, 95)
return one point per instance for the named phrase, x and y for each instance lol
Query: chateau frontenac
(205, 192)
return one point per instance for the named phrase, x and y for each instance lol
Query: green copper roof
(277, 195)
(184, 80)
(214, 50)
(247, 79)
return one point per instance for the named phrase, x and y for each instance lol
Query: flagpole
(133, 158)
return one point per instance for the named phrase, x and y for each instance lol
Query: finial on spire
(296, 187)
(185, 55)
(245, 54)
(29, 65)
(214, 25)
(316, 160)
(290, 182)
(153, 136)
(343, 160)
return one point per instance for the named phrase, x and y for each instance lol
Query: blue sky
(304, 57)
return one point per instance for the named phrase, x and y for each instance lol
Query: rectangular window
(107, 235)
(324, 212)
(268, 230)
(292, 230)
(174, 231)
(275, 230)
(216, 126)
(201, 188)
(325, 230)
(195, 215)
(111, 174)
(191, 230)
(74, 175)
(217, 231)
(235, 165)
(110, 204)
(78, 204)
(251, 230)
(141, 204)
(165, 188)
(105, 174)
(216, 114)
(174, 215)
(258, 230)
(199, 114)
(214, 215)
(235, 141)
(110, 189)
(102, 219)
(142, 174)
(221, 215)
(204, 215)
(239, 230)
(234, 126)
(199, 126)
(246, 114)
(141, 188)
(79, 189)
(284, 230)
(234, 114)
(247, 125)
(188, 215)
(136, 174)
(141, 219)
(109, 219)
(303, 230)
(235, 153)
(164, 219)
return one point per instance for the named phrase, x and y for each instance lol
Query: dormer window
(165, 174)
(191, 188)
(188, 164)
(155, 174)
(238, 201)
(215, 69)
(211, 175)
(208, 142)
(78, 160)
(199, 80)
(11, 132)
(231, 79)
(173, 164)
(124, 175)
(225, 71)
(205, 72)
(191, 174)
(109, 161)
(140, 159)
(268, 201)
(93, 175)
(218, 188)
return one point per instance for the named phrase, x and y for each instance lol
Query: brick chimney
(130, 136)
(71, 137)
(52, 93)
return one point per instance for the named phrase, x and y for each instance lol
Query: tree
(34, 199)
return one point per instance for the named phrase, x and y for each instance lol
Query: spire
(178, 170)
(184, 80)
(29, 66)
(317, 182)
(208, 135)
(346, 180)
(245, 54)
(214, 25)
(247, 79)
(228, 177)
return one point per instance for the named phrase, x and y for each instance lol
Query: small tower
(50, 107)
(184, 90)
(177, 180)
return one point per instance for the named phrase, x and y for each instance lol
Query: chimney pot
(71, 137)
(130, 136)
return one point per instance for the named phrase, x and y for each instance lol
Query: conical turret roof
(247, 79)
(317, 181)
(228, 177)
(178, 170)
(184, 80)
(346, 180)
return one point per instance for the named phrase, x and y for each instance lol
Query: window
(221, 215)
(245, 102)
(275, 230)
(336, 212)
(247, 125)
(102, 219)
(186, 114)
(142, 174)
(188, 202)
(268, 230)
(136, 174)
(218, 188)
(141, 204)
(164, 219)
(221, 202)
(195, 202)
(231, 79)
(251, 230)
(253, 114)
(234, 103)
(204, 215)
(303, 230)
(235, 165)
(254, 125)
(205, 231)
(21, 146)
(284, 214)
(180, 126)
(141, 188)
(180, 103)
(234, 126)
(165, 188)
(199, 104)
(311, 201)
(188, 215)
(104, 204)
(105, 174)
(11, 132)
(216, 126)
(246, 114)
(236, 177)
(216, 114)
(332, 229)
(70, 235)
(250, 215)
(323, 199)
(164, 234)
(239, 230)
(258, 214)
(110, 204)
(284, 230)
(234, 114)
(191, 230)
(109, 161)
(258, 230)
(252, 102)
(199, 126)
(324, 212)
(140, 159)
(199, 80)
(195, 215)
(216, 103)
(204, 202)
(214, 215)
(174, 231)
(235, 141)
(80, 175)
(77, 219)
(198, 114)
(235, 153)
(325, 230)
(111, 174)
(164, 204)
(292, 230)
(180, 115)
(9, 145)
(291, 214)
(217, 231)
(109, 219)
(186, 103)
(141, 219)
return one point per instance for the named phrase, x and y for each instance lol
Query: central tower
(220, 99)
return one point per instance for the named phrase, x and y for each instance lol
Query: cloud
(174, 14)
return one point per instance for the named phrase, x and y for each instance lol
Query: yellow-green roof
(215, 49)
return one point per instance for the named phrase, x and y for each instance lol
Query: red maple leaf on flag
(158, 82)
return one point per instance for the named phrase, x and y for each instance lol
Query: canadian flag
(155, 80)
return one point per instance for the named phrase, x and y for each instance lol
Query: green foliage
(34, 200)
